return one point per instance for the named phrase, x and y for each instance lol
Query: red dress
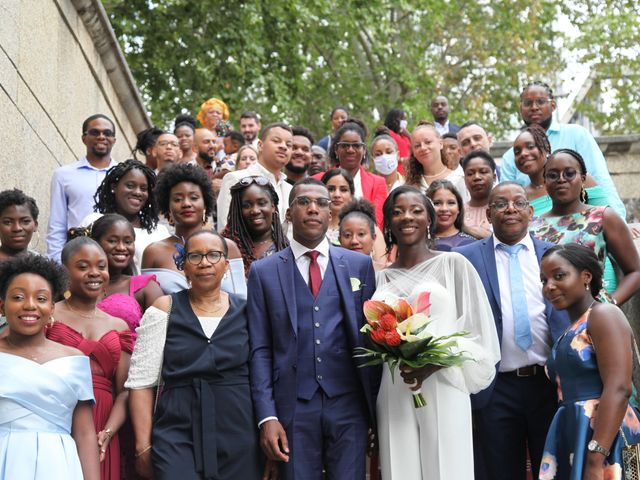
(104, 355)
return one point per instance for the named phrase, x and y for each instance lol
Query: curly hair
(15, 197)
(414, 167)
(359, 208)
(392, 120)
(237, 230)
(105, 198)
(54, 273)
(183, 172)
(387, 211)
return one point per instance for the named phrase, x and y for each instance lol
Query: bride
(435, 441)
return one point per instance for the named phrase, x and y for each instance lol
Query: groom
(313, 406)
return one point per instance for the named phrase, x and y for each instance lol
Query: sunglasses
(94, 132)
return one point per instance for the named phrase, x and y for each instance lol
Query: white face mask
(387, 163)
(403, 124)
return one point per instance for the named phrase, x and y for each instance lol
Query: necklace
(537, 187)
(83, 315)
(219, 307)
(32, 357)
(444, 169)
(181, 239)
(262, 242)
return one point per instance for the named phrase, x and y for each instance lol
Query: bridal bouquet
(397, 335)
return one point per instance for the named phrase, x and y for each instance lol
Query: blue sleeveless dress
(573, 365)
(36, 409)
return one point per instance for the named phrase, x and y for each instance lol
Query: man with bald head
(472, 137)
(515, 412)
(440, 112)
(204, 146)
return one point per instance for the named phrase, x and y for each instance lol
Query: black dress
(204, 426)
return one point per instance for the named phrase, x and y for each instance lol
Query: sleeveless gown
(104, 355)
(574, 367)
(36, 416)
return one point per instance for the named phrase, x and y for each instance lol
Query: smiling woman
(106, 340)
(254, 224)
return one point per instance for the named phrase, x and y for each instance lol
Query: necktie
(315, 277)
(522, 328)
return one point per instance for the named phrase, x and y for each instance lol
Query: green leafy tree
(295, 60)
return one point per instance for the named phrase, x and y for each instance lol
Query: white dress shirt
(357, 184)
(441, 129)
(303, 261)
(281, 187)
(513, 356)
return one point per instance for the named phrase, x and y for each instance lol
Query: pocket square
(355, 284)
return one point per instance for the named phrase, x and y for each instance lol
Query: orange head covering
(212, 102)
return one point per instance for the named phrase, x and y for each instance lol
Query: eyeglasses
(554, 175)
(502, 205)
(348, 145)
(94, 132)
(304, 202)
(540, 102)
(165, 143)
(257, 179)
(213, 257)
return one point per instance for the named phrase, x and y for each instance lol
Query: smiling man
(313, 406)
(515, 412)
(274, 152)
(440, 112)
(537, 105)
(73, 186)
(300, 161)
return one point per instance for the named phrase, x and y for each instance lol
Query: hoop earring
(171, 221)
(51, 321)
(204, 218)
(583, 195)
(35, 247)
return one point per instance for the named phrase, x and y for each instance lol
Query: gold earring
(51, 321)
(204, 218)
(67, 294)
(171, 220)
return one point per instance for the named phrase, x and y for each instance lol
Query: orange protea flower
(375, 309)
(378, 336)
(388, 321)
(392, 338)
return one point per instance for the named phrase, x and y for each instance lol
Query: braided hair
(540, 138)
(538, 83)
(236, 228)
(105, 199)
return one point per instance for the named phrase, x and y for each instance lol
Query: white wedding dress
(435, 442)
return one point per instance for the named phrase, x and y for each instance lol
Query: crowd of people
(196, 313)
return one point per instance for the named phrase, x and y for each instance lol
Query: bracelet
(144, 450)
(108, 433)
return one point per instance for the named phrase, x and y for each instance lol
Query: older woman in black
(203, 426)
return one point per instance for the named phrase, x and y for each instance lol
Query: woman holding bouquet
(432, 442)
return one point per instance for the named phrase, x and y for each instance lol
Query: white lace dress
(435, 442)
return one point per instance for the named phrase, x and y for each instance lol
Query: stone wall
(59, 63)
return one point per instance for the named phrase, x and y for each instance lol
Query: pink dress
(104, 355)
(126, 306)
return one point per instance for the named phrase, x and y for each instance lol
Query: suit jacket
(482, 255)
(453, 128)
(374, 189)
(273, 327)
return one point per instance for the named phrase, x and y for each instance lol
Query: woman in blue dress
(592, 365)
(46, 395)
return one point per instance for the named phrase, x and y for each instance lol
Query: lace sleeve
(146, 359)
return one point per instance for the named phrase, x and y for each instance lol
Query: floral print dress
(574, 367)
(585, 228)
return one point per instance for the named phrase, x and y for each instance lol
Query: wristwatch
(594, 446)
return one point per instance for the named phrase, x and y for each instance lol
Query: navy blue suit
(301, 359)
(503, 453)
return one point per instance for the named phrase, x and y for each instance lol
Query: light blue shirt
(72, 189)
(577, 138)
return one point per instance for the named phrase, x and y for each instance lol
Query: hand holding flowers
(397, 335)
